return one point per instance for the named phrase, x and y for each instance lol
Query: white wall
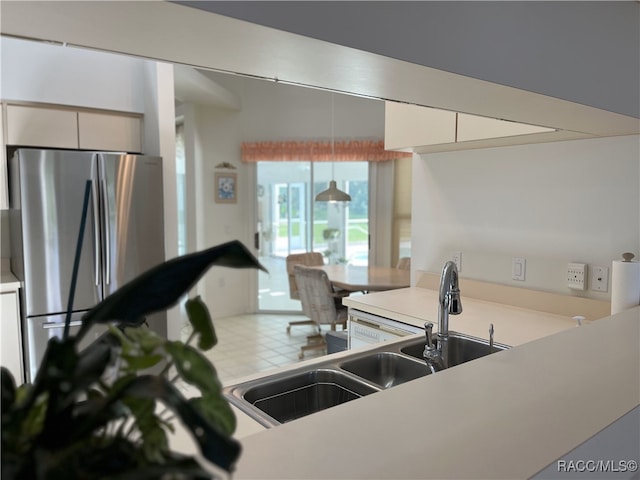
(575, 201)
(39, 72)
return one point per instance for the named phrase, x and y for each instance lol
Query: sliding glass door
(291, 221)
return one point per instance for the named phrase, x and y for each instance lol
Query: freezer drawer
(41, 329)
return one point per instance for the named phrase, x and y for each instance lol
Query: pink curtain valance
(319, 151)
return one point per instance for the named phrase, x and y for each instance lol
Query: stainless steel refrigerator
(124, 235)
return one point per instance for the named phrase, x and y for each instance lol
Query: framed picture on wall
(226, 188)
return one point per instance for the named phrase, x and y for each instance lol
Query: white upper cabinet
(407, 126)
(51, 127)
(413, 127)
(473, 127)
(42, 127)
(103, 131)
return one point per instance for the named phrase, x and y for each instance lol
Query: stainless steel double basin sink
(284, 396)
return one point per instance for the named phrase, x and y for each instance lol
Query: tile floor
(248, 344)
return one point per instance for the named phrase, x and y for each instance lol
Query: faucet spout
(449, 297)
(449, 303)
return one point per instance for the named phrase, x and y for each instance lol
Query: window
(291, 221)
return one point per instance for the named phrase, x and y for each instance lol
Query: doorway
(289, 220)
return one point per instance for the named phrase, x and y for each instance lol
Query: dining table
(371, 278)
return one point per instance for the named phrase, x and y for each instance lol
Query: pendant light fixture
(332, 194)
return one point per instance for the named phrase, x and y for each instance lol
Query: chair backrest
(316, 295)
(404, 263)
(311, 259)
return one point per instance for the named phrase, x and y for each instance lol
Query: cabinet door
(472, 127)
(41, 127)
(407, 126)
(103, 131)
(10, 337)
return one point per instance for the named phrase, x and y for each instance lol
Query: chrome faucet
(437, 356)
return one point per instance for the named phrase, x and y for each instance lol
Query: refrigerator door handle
(96, 232)
(48, 325)
(107, 231)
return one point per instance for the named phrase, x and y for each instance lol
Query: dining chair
(309, 259)
(320, 302)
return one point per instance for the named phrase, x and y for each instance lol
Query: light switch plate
(599, 279)
(518, 268)
(577, 276)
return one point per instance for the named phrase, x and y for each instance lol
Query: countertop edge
(553, 425)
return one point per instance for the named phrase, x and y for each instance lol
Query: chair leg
(299, 322)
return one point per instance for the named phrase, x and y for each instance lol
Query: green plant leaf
(214, 445)
(193, 367)
(145, 338)
(215, 408)
(200, 320)
(8, 392)
(155, 445)
(138, 347)
(162, 286)
(136, 363)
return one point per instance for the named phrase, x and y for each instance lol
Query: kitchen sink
(292, 394)
(462, 348)
(386, 369)
(273, 401)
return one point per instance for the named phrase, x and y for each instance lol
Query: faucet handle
(428, 330)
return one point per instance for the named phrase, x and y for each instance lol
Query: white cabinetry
(407, 126)
(104, 131)
(473, 127)
(51, 127)
(42, 127)
(10, 335)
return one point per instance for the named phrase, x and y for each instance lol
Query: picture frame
(226, 185)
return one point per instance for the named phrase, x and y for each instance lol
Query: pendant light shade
(332, 194)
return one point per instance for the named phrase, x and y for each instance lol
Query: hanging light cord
(333, 154)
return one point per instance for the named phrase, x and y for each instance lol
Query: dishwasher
(366, 329)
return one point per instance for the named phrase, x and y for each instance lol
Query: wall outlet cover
(577, 276)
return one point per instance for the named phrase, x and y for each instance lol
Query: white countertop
(415, 306)
(8, 282)
(507, 415)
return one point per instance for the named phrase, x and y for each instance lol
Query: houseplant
(94, 413)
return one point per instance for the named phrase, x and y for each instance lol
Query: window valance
(319, 151)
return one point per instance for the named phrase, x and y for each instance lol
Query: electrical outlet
(457, 259)
(577, 276)
(599, 279)
(518, 268)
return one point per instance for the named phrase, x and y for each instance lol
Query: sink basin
(386, 369)
(297, 395)
(462, 348)
(292, 394)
